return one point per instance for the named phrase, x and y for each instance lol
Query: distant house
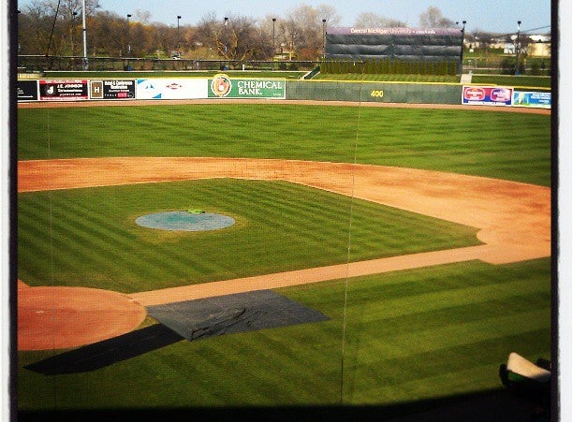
(540, 46)
(533, 45)
(539, 49)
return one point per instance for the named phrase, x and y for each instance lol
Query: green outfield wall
(415, 93)
(222, 87)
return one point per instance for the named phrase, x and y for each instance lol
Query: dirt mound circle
(64, 317)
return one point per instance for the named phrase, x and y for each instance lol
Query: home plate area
(191, 320)
(197, 319)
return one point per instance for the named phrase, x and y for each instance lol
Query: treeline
(54, 28)
(390, 66)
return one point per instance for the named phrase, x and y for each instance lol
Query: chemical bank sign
(221, 86)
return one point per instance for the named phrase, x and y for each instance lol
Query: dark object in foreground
(530, 381)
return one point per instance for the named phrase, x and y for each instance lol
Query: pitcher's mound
(185, 221)
(63, 317)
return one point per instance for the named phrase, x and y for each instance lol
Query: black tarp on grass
(230, 314)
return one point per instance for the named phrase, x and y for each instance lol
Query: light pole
(274, 38)
(128, 35)
(178, 19)
(324, 38)
(517, 47)
(84, 31)
(462, 49)
(74, 14)
(18, 12)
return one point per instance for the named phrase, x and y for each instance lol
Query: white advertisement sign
(171, 89)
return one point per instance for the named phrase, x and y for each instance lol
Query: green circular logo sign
(221, 85)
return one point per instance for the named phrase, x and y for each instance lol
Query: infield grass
(93, 240)
(508, 146)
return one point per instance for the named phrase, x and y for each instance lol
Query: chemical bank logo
(221, 85)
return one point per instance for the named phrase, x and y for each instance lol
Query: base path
(514, 219)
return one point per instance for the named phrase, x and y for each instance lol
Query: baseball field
(420, 238)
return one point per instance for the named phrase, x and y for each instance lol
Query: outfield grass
(539, 82)
(411, 335)
(388, 78)
(543, 82)
(502, 145)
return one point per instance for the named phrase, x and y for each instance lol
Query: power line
(537, 29)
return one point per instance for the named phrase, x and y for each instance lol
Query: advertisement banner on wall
(221, 86)
(63, 90)
(171, 89)
(487, 95)
(27, 90)
(112, 90)
(532, 99)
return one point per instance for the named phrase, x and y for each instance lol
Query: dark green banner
(221, 86)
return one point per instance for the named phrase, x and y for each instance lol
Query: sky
(498, 16)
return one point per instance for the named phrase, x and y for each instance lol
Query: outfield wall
(375, 92)
(223, 87)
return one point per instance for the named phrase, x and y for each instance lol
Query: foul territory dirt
(514, 222)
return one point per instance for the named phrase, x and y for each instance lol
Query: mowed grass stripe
(462, 368)
(502, 145)
(422, 320)
(459, 297)
(445, 337)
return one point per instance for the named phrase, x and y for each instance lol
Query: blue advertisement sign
(532, 99)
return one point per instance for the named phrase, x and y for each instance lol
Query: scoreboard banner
(112, 90)
(64, 90)
(487, 95)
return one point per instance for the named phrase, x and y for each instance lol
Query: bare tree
(235, 38)
(50, 27)
(373, 20)
(433, 18)
(303, 31)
